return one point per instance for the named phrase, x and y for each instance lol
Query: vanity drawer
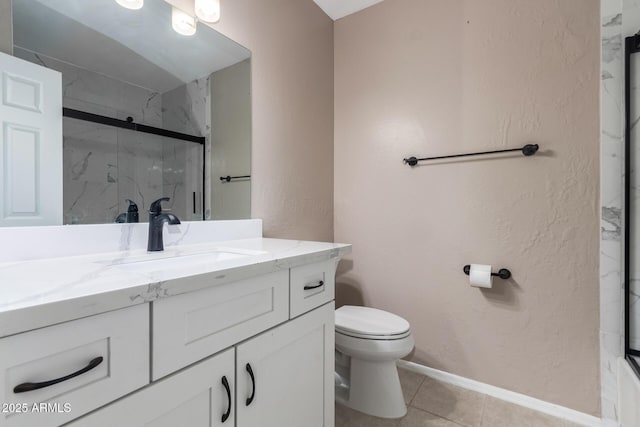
(120, 338)
(312, 285)
(190, 327)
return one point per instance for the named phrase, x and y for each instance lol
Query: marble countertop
(43, 292)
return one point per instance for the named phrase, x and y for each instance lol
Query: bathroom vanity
(237, 332)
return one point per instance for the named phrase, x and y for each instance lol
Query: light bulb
(182, 22)
(131, 4)
(208, 10)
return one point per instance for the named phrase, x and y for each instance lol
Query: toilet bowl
(368, 344)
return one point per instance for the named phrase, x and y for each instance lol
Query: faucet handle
(156, 207)
(133, 207)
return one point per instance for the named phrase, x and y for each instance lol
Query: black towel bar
(230, 178)
(527, 150)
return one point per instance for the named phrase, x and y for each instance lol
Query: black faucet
(131, 215)
(156, 219)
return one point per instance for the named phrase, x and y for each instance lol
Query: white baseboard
(507, 395)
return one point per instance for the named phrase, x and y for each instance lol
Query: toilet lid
(369, 321)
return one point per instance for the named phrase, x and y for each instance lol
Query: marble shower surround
(611, 200)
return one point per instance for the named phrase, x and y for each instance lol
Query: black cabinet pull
(320, 284)
(21, 388)
(253, 385)
(225, 383)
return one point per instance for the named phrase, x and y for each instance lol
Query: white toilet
(368, 344)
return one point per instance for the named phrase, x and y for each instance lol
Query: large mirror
(148, 112)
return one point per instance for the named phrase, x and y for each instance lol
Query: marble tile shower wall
(104, 165)
(611, 198)
(620, 18)
(186, 109)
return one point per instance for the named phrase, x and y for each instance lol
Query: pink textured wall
(433, 77)
(292, 109)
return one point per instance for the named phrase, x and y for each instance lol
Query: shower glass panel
(140, 167)
(632, 202)
(105, 165)
(90, 178)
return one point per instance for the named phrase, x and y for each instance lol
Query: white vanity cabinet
(290, 384)
(270, 339)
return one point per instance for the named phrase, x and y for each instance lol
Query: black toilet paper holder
(503, 273)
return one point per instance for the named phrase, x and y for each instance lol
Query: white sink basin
(171, 260)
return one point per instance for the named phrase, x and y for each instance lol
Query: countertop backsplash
(29, 243)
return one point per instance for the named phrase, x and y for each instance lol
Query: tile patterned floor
(432, 403)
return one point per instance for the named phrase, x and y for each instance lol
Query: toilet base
(374, 388)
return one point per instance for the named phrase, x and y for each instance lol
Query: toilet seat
(370, 323)
(372, 337)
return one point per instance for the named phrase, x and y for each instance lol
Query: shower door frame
(129, 124)
(632, 46)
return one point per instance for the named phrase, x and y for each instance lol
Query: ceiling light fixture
(131, 4)
(182, 22)
(208, 10)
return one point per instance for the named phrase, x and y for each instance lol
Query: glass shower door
(90, 172)
(632, 202)
(152, 166)
(104, 165)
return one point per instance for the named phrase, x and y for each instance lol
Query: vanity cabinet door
(285, 375)
(195, 397)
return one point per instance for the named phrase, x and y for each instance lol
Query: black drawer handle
(21, 388)
(320, 284)
(253, 385)
(225, 383)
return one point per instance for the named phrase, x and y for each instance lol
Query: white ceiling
(337, 9)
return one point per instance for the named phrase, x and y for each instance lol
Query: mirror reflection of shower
(164, 81)
(138, 167)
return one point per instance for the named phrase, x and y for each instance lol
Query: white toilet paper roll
(480, 276)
